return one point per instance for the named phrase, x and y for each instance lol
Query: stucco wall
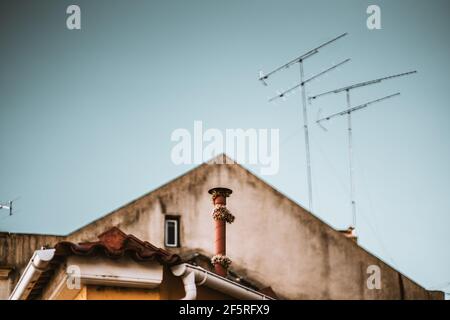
(273, 240)
(117, 293)
(15, 252)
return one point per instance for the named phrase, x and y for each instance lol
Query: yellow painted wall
(82, 295)
(170, 289)
(118, 293)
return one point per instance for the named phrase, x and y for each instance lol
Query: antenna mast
(349, 111)
(300, 60)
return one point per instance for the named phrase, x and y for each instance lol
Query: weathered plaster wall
(273, 240)
(117, 293)
(15, 252)
(313, 261)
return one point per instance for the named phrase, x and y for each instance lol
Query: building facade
(273, 241)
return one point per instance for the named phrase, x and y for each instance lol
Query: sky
(86, 116)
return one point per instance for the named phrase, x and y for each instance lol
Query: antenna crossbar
(282, 94)
(304, 56)
(361, 106)
(361, 84)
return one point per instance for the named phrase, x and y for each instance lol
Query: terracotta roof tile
(115, 244)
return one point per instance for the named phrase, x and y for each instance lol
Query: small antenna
(8, 206)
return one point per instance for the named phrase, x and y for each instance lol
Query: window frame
(176, 221)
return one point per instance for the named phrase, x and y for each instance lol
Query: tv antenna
(348, 112)
(300, 60)
(7, 206)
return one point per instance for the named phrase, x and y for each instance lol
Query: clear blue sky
(86, 116)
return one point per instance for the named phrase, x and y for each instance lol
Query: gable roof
(219, 159)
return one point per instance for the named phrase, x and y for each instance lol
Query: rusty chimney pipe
(221, 216)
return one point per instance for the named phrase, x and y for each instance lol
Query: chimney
(221, 216)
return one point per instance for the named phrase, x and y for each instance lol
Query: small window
(172, 231)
